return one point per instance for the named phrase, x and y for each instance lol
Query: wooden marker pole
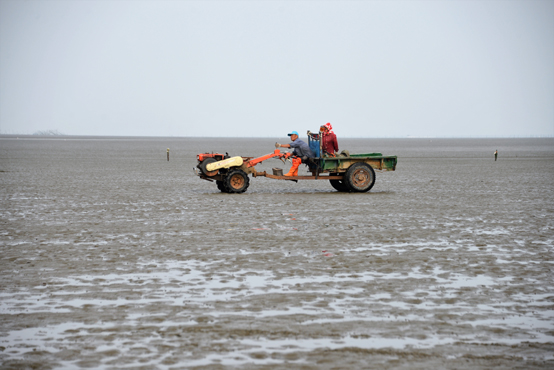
(168, 154)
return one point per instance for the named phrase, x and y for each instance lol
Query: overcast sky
(264, 68)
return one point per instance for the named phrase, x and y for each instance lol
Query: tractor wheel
(203, 165)
(359, 177)
(339, 185)
(221, 186)
(236, 181)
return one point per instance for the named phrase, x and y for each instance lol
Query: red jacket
(330, 144)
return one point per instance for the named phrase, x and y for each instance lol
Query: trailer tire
(339, 185)
(360, 177)
(236, 181)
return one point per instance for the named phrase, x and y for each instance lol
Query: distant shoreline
(108, 137)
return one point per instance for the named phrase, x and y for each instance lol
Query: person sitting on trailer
(301, 152)
(329, 142)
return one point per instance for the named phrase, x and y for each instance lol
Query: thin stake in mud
(168, 154)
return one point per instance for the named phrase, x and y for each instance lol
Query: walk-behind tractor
(346, 172)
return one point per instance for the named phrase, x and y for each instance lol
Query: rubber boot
(294, 169)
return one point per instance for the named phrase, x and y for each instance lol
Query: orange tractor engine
(231, 173)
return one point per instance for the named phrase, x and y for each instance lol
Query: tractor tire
(236, 181)
(339, 185)
(203, 165)
(221, 186)
(359, 177)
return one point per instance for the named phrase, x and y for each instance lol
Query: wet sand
(112, 257)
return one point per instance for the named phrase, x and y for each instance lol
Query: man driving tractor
(300, 153)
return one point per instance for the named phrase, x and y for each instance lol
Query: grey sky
(246, 68)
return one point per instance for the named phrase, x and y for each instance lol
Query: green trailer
(346, 172)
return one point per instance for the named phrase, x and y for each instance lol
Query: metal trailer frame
(337, 166)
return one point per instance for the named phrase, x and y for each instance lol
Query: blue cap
(294, 133)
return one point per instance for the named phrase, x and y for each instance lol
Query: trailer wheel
(203, 165)
(236, 181)
(339, 185)
(221, 186)
(360, 177)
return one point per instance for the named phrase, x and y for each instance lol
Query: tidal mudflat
(113, 257)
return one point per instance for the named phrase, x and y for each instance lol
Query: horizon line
(267, 137)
